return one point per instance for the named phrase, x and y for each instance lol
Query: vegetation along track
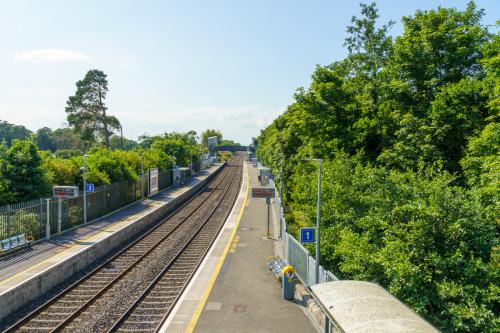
(135, 289)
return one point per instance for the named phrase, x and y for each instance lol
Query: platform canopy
(362, 307)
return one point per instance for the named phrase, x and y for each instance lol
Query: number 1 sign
(307, 235)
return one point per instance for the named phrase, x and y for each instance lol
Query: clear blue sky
(230, 65)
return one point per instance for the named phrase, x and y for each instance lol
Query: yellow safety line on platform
(211, 283)
(77, 241)
(234, 244)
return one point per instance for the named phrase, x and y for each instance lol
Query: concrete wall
(15, 298)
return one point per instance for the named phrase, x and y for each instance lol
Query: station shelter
(180, 175)
(365, 307)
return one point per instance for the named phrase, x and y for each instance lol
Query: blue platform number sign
(307, 235)
(89, 188)
(271, 176)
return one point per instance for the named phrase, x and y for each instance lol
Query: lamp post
(282, 180)
(191, 164)
(121, 136)
(318, 215)
(142, 176)
(85, 188)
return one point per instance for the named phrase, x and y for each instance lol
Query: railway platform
(26, 275)
(233, 290)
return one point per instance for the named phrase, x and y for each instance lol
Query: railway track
(135, 290)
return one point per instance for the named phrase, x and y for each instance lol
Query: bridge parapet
(229, 148)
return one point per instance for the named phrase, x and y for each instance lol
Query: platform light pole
(318, 215)
(121, 136)
(85, 188)
(282, 180)
(142, 176)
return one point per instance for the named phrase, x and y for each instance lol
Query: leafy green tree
(152, 158)
(87, 111)
(482, 167)
(5, 196)
(413, 147)
(408, 132)
(44, 139)
(10, 132)
(111, 164)
(228, 143)
(23, 173)
(68, 153)
(437, 47)
(157, 158)
(67, 139)
(209, 133)
(426, 240)
(117, 142)
(61, 171)
(491, 65)
(182, 146)
(460, 110)
(145, 140)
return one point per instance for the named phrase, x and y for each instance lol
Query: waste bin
(285, 274)
(288, 282)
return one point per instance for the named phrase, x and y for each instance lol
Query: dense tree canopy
(60, 139)
(21, 171)
(408, 129)
(27, 172)
(10, 132)
(183, 147)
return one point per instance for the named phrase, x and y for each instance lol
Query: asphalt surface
(246, 297)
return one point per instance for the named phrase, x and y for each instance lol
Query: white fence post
(59, 215)
(307, 269)
(47, 222)
(8, 221)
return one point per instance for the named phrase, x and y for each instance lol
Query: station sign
(90, 188)
(65, 192)
(262, 192)
(153, 181)
(307, 235)
(212, 141)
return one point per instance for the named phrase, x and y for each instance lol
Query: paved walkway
(245, 296)
(18, 262)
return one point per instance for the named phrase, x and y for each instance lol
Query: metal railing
(30, 217)
(297, 255)
(24, 217)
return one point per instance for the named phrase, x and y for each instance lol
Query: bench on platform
(285, 274)
(14, 243)
(276, 266)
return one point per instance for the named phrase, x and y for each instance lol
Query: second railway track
(136, 289)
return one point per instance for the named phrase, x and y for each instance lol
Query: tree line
(31, 163)
(29, 173)
(408, 130)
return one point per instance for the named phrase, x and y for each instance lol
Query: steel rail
(18, 325)
(165, 316)
(84, 306)
(124, 316)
